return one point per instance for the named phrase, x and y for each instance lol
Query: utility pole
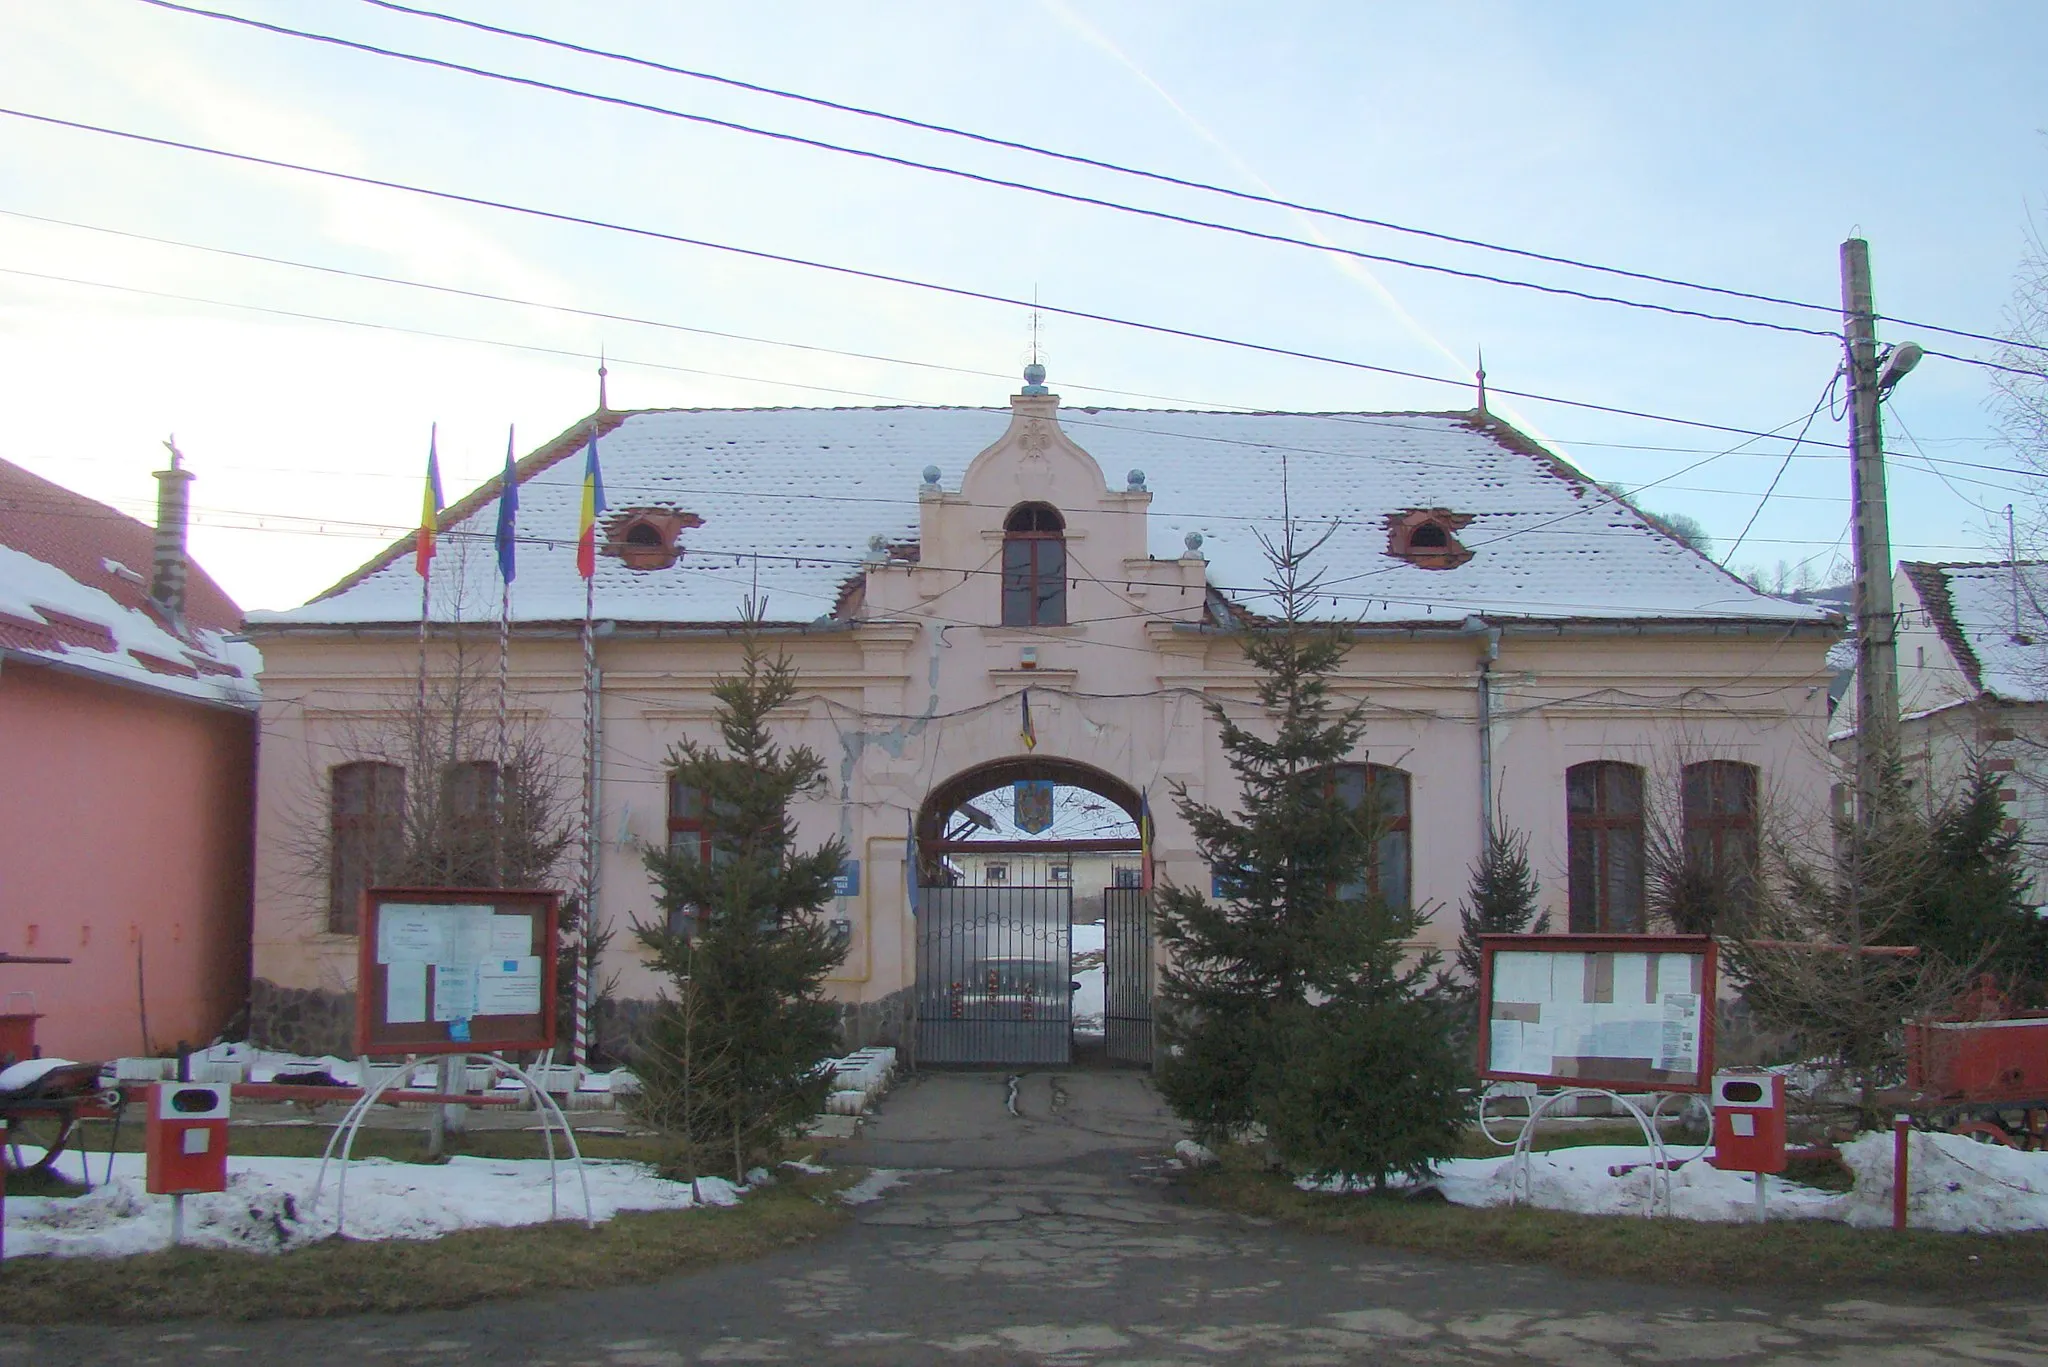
(1877, 673)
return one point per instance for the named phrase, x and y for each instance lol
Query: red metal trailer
(1985, 1077)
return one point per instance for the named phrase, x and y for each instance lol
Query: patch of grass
(394, 1276)
(33, 1183)
(1804, 1256)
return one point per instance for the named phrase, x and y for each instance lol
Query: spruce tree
(1971, 905)
(1290, 1003)
(733, 1054)
(1500, 901)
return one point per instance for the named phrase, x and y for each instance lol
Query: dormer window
(648, 538)
(1427, 538)
(1034, 567)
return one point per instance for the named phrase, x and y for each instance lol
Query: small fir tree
(1500, 901)
(732, 1056)
(1972, 906)
(1290, 1004)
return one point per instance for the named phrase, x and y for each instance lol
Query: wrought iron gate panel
(1127, 974)
(994, 975)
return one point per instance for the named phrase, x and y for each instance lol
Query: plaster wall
(124, 846)
(925, 684)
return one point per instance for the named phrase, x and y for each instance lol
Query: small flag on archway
(1027, 736)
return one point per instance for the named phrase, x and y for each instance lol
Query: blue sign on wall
(847, 882)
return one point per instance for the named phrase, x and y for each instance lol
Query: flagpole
(508, 509)
(586, 565)
(423, 561)
(579, 1032)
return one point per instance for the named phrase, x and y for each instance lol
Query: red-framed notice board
(456, 970)
(1621, 1012)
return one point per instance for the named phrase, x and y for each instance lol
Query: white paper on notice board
(508, 987)
(1521, 977)
(511, 936)
(405, 993)
(454, 992)
(410, 934)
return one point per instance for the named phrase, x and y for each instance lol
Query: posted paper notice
(454, 992)
(405, 993)
(508, 987)
(408, 934)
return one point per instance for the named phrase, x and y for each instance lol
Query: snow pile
(265, 1208)
(1581, 1180)
(1953, 1183)
(858, 1079)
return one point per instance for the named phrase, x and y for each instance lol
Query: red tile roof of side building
(78, 535)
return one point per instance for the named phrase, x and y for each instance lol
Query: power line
(1783, 466)
(1159, 177)
(854, 272)
(1026, 187)
(1067, 418)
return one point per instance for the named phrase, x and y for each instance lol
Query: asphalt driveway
(1051, 1237)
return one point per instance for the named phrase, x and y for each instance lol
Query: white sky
(1735, 145)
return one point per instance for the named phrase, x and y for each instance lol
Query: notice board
(456, 971)
(1621, 1012)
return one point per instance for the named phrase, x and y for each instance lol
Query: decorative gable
(648, 538)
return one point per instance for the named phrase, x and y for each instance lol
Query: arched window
(1034, 567)
(366, 835)
(1430, 536)
(1719, 799)
(1387, 788)
(1604, 805)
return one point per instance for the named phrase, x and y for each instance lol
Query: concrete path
(1051, 1239)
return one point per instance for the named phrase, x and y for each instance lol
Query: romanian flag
(1025, 735)
(430, 509)
(593, 508)
(1145, 839)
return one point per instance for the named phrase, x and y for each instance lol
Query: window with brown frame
(1390, 874)
(688, 832)
(1719, 800)
(1034, 567)
(366, 835)
(1604, 814)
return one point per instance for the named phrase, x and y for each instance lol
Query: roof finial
(1034, 365)
(1482, 382)
(177, 456)
(603, 403)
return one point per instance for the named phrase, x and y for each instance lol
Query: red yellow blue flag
(430, 507)
(593, 508)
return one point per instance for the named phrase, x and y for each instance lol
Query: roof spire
(1034, 366)
(1482, 382)
(603, 403)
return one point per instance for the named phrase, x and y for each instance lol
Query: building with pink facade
(980, 599)
(128, 744)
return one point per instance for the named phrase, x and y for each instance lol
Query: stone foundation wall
(301, 1020)
(888, 1021)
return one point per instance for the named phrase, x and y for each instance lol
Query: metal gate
(1127, 974)
(995, 975)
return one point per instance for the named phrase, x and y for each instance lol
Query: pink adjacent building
(128, 748)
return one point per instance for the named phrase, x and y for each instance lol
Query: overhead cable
(1093, 201)
(1158, 177)
(851, 272)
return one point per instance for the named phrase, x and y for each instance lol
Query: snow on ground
(871, 1187)
(266, 1207)
(1088, 1002)
(1954, 1184)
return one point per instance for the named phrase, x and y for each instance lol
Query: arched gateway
(1034, 927)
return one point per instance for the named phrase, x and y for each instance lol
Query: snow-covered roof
(1993, 617)
(70, 597)
(790, 498)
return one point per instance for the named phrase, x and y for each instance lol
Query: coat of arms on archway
(1033, 801)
